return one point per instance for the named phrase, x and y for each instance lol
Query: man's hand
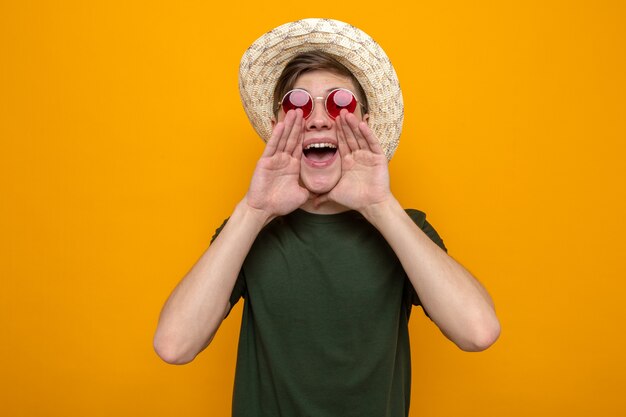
(365, 174)
(275, 189)
(196, 308)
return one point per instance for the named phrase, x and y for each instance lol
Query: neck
(327, 207)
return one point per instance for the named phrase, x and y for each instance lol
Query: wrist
(256, 216)
(378, 212)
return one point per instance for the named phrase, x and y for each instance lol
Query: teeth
(321, 145)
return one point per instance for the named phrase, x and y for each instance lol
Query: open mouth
(320, 152)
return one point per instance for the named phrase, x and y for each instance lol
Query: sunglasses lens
(298, 99)
(340, 99)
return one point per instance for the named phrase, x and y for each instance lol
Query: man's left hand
(365, 173)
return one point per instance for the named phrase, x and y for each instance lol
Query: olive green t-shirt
(324, 331)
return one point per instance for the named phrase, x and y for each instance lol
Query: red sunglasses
(335, 101)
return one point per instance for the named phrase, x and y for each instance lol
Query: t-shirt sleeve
(239, 289)
(420, 220)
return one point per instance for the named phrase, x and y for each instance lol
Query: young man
(327, 260)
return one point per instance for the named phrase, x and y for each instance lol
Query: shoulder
(419, 218)
(219, 229)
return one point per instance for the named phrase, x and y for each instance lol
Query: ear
(273, 121)
(366, 118)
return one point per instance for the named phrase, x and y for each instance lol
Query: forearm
(197, 306)
(454, 299)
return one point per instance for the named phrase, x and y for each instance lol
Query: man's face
(320, 168)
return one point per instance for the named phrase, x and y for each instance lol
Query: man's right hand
(199, 303)
(275, 188)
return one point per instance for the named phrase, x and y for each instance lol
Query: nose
(319, 118)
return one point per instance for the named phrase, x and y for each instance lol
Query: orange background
(124, 145)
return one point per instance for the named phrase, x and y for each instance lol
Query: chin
(320, 180)
(320, 184)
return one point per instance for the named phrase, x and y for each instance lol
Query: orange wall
(124, 145)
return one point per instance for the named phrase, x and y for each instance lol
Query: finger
(347, 131)
(297, 150)
(289, 120)
(294, 135)
(270, 147)
(353, 123)
(370, 137)
(344, 150)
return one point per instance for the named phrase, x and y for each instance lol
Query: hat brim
(264, 61)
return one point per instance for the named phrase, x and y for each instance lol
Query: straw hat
(264, 61)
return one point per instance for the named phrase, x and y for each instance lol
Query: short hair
(313, 61)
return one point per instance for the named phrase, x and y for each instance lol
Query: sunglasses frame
(314, 99)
